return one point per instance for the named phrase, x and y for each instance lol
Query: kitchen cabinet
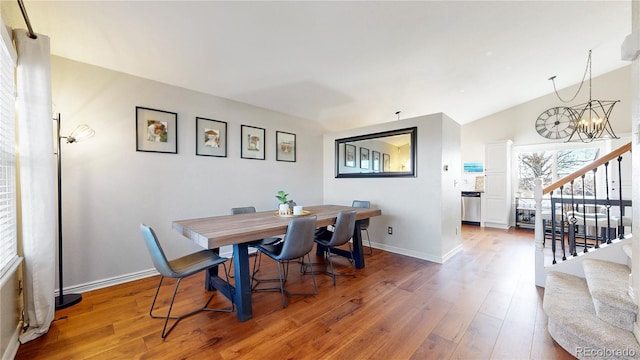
(496, 209)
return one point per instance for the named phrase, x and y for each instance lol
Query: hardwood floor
(481, 304)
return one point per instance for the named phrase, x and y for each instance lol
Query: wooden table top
(216, 231)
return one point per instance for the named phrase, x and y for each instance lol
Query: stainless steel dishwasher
(471, 205)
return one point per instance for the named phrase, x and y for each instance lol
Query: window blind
(8, 222)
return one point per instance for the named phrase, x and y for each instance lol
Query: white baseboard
(497, 225)
(121, 279)
(451, 253)
(416, 254)
(99, 284)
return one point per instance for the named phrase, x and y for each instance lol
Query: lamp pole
(62, 300)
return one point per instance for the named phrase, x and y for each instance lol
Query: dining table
(240, 229)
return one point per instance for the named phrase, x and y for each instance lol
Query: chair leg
(283, 275)
(255, 270)
(165, 331)
(258, 258)
(253, 275)
(313, 277)
(166, 318)
(353, 261)
(369, 240)
(231, 267)
(332, 271)
(304, 266)
(155, 297)
(284, 300)
(255, 282)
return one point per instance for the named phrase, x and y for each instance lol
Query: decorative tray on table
(304, 213)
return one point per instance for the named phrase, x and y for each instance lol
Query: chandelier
(591, 119)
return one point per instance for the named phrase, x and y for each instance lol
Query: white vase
(283, 209)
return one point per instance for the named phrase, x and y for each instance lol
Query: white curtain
(36, 181)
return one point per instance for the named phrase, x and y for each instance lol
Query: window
(551, 166)
(8, 223)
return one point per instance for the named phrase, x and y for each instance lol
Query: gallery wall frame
(285, 146)
(211, 137)
(386, 162)
(375, 160)
(156, 130)
(364, 158)
(349, 155)
(252, 140)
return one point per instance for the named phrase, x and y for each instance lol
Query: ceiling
(344, 64)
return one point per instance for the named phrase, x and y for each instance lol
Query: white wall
(109, 188)
(450, 187)
(424, 211)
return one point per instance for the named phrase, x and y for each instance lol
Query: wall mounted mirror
(384, 154)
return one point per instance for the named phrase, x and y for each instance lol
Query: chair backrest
(343, 229)
(243, 210)
(298, 240)
(364, 224)
(155, 250)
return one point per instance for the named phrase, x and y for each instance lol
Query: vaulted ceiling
(344, 64)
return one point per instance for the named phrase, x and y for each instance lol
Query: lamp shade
(81, 132)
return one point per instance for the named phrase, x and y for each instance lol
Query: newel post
(541, 273)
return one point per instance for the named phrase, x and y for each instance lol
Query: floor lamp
(80, 133)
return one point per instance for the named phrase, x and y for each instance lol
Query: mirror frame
(412, 132)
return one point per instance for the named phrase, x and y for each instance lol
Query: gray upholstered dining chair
(297, 243)
(180, 268)
(267, 241)
(342, 233)
(364, 224)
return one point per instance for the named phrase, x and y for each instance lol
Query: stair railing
(573, 220)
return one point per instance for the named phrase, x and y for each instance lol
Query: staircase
(588, 296)
(593, 317)
(578, 217)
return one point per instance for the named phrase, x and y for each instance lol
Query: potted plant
(284, 203)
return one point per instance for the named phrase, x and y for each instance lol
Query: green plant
(282, 197)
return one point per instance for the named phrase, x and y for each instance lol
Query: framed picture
(364, 158)
(252, 142)
(285, 146)
(386, 163)
(156, 130)
(349, 155)
(211, 137)
(375, 160)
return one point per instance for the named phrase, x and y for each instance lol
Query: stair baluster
(596, 209)
(607, 202)
(553, 230)
(573, 228)
(562, 233)
(621, 225)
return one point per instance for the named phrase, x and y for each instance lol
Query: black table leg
(240, 294)
(358, 254)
